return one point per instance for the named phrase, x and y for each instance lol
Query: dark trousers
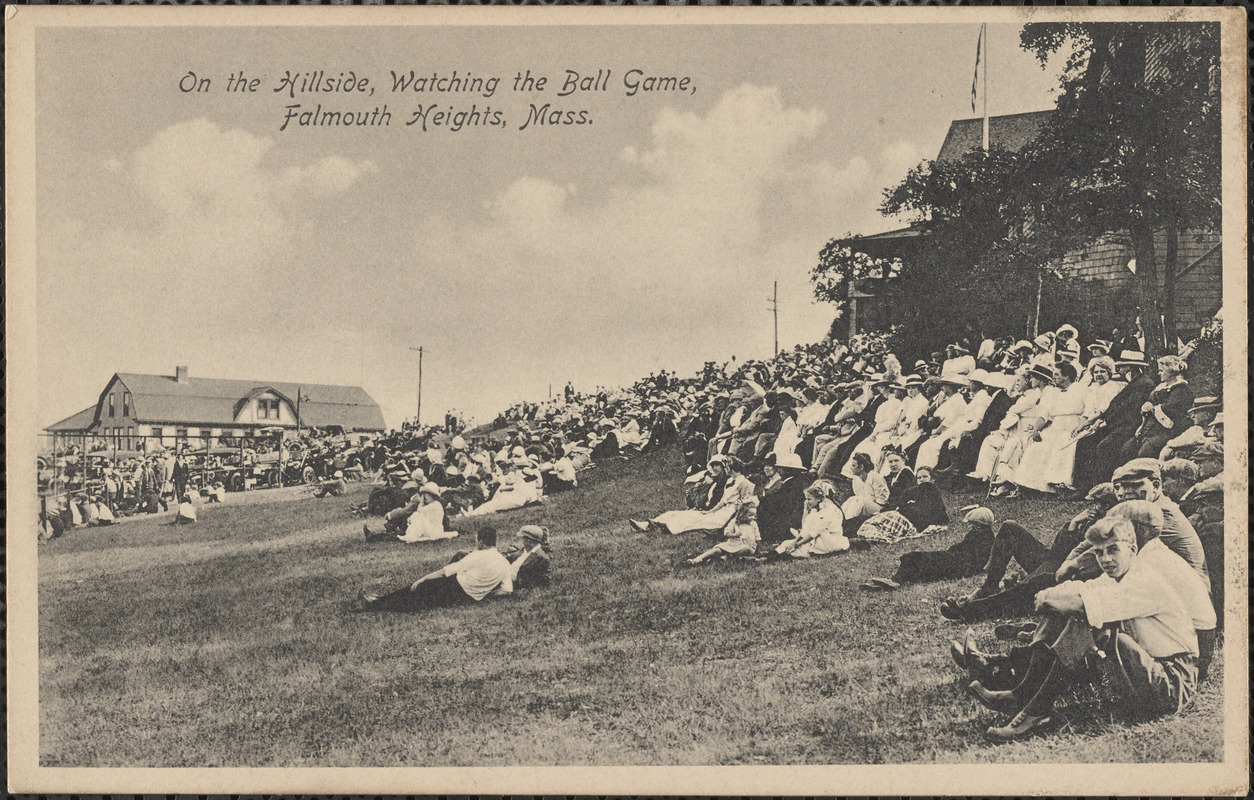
(437, 593)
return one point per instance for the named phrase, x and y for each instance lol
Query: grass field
(232, 643)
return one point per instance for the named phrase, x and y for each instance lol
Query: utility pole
(418, 415)
(774, 299)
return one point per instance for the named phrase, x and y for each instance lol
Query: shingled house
(173, 408)
(1094, 279)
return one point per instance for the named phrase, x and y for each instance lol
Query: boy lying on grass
(1137, 620)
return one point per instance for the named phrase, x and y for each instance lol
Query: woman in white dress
(870, 490)
(1025, 396)
(1031, 420)
(950, 414)
(426, 524)
(886, 418)
(693, 519)
(822, 528)
(1049, 458)
(913, 409)
(516, 489)
(740, 536)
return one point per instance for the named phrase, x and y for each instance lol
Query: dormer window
(267, 409)
(111, 401)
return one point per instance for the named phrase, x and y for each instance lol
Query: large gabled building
(169, 409)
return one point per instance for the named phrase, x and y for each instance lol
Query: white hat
(431, 489)
(789, 460)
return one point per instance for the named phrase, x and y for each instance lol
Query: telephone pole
(774, 300)
(418, 415)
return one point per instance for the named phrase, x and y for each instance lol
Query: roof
(161, 398)
(1007, 132)
(75, 422)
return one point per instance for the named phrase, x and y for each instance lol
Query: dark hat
(1138, 469)
(1043, 372)
(1206, 404)
(1132, 358)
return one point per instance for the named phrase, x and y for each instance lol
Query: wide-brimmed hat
(431, 489)
(961, 381)
(1104, 345)
(1131, 358)
(410, 485)
(1043, 372)
(915, 381)
(1044, 341)
(1206, 404)
(1022, 344)
(789, 461)
(1218, 420)
(981, 377)
(1066, 328)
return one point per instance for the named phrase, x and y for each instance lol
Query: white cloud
(211, 229)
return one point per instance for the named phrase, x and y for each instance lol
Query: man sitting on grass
(1139, 614)
(186, 513)
(466, 580)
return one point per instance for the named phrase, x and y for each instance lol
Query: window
(111, 396)
(267, 409)
(158, 435)
(126, 404)
(180, 433)
(130, 437)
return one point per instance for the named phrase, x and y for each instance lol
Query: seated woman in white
(1034, 420)
(886, 418)
(515, 491)
(913, 409)
(951, 412)
(822, 528)
(740, 535)
(692, 519)
(870, 490)
(1025, 397)
(426, 524)
(1049, 460)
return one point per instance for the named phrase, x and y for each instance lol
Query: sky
(185, 228)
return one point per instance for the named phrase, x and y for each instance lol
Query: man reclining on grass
(1137, 620)
(466, 580)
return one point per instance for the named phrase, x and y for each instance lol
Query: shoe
(870, 586)
(958, 654)
(642, 527)
(1020, 726)
(995, 701)
(1010, 630)
(887, 583)
(365, 530)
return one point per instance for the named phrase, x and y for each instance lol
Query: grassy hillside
(232, 643)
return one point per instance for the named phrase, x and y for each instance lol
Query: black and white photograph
(657, 400)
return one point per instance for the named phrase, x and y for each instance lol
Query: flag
(975, 79)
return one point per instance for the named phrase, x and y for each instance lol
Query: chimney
(180, 374)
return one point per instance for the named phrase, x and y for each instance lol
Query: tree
(1135, 145)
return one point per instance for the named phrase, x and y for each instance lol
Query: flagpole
(984, 33)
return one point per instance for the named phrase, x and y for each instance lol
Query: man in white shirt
(468, 579)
